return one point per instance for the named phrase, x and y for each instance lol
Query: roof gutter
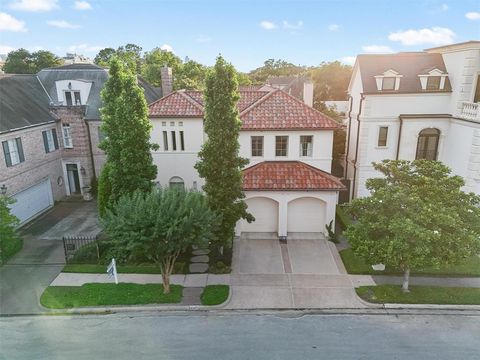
(362, 97)
(345, 171)
(399, 136)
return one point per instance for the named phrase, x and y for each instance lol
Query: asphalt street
(284, 335)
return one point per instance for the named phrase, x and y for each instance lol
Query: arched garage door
(265, 212)
(306, 215)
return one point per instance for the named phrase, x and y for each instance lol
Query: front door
(73, 179)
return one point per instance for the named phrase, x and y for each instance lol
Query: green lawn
(10, 248)
(214, 294)
(61, 297)
(420, 295)
(122, 269)
(356, 265)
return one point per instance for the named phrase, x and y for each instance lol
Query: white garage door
(265, 212)
(306, 215)
(32, 201)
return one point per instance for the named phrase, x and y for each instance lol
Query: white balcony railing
(470, 111)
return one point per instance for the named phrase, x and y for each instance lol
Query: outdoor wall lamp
(70, 86)
(82, 170)
(3, 189)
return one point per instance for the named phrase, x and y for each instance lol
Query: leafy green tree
(104, 56)
(21, 61)
(417, 216)
(160, 225)
(330, 81)
(130, 54)
(10, 243)
(272, 67)
(129, 165)
(155, 60)
(220, 164)
(190, 76)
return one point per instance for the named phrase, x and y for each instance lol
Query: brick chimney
(167, 80)
(308, 93)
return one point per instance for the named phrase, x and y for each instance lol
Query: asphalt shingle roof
(288, 175)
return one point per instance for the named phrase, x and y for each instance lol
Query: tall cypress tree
(220, 164)
(125, 122)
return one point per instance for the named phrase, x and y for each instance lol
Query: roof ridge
(192, 100)
(162, 98)
(43, 87)
(258, 102)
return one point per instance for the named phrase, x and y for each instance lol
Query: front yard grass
(63, 297)
(420, 295)
(356, 265)
(214, 294)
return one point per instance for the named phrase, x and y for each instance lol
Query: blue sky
(246, 32)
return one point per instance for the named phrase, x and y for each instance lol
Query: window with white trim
(382, 136)
(182, 141)
(174, 141)
(306, 145)
(388, 83)
(67, 137)
(73, 98)
(165, 141)
(13, 151)
(281, 145)
(50, 141)
(257, 145)
(433, 82)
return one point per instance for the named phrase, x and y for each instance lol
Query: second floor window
(388, 83)
(67, 137)
(72, 98)
(257, 145)
(165, 141)
(433, 82)
(427, 144)
(182, 141)
(50, 141)
(382, 136)
(13, 151)
(281, 145)
(174, 141)
(306, 145)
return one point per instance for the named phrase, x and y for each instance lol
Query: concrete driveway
(27, 274)
(304, 272)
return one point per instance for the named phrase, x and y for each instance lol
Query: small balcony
(470, 111)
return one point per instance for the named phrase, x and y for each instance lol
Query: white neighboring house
(419, 105)
(287, 184)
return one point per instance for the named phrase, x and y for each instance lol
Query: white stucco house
(415, 105)
(289, 144)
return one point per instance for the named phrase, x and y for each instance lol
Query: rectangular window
(174, 141)
(76, 94)
(382, 136)
(67, 138)
(182, 141)
(306, 145)
(388, 83)
(68, 98)
(50, 141)
(165, 141)
(281, 145)
(257, 145)
(433, 83)
(164, 123)
(172, 123)
(72, 98)
(13, 151)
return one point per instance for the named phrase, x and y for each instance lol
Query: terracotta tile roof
(288, 175)
(259, 110)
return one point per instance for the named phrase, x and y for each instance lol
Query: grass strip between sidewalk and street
(356, 265)
(214, 294)
(420, 295)
(93, 294)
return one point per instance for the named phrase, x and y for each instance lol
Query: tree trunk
(406, 277)
(166, 283)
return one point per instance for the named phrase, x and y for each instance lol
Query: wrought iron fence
(71, 244)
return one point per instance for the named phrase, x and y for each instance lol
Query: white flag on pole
(112, 270)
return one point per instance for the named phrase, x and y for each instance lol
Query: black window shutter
(55, 139)
(6, 151)
(45, 141)
(20, 149)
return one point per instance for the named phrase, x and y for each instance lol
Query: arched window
(177, 182)
(427, 145)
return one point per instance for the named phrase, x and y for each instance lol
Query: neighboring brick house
(49, 130)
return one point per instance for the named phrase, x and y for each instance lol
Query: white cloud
(5, 49)
(87, 48)
(290, 26)
(267, 25)
(473, 15)
(9, 23)
(203, 38)
(34, 5)
(82, 5)
(444, 7)
(434, 36)
(333, 27)
(349, 60)
(62, 24)
(377, 49)
(166, 47)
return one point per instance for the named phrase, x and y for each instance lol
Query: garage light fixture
(3, 189)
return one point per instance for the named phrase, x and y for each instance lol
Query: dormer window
(433, 80)
(72, 98)
(388, 81)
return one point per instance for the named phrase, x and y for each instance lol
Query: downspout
(345, 173)
(362, 97)
(91, 149)
(399, 137)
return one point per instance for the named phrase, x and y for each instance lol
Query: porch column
(282, 216)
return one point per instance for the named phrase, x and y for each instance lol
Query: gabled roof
(259, 110)
(409, 65)
(23, 102)
(288, 175)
